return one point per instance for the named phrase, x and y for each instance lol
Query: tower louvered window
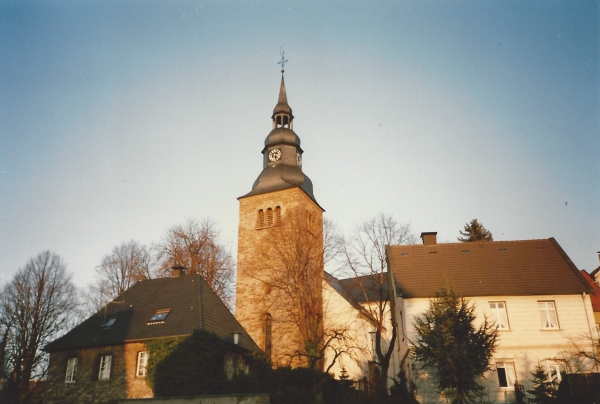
(269, 218)
(278, 215)
(261, 219)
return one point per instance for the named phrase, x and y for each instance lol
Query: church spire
(282, 154)
(282, 113)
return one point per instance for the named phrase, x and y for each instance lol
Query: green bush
(194, 365)
(191, 366)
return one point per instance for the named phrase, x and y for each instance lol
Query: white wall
(339, 314)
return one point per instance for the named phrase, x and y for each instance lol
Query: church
(284, 299)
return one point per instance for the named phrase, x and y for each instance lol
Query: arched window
(261, 219)
(278, 215)
(268, 341)
(269, 217)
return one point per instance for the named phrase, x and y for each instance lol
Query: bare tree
(291, 266)
(339, 341)
(195, 245)
(365, 259)
(94, 297)
(128, 263)
(332, 243)
(35, 307)
(582, 354)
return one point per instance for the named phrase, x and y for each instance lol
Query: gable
(526, 267)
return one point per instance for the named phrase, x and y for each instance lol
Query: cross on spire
(283, 60)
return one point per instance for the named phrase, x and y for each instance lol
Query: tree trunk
(384, 362)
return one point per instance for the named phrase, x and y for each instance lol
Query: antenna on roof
(283, 59)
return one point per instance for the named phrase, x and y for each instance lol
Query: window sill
(551, 329)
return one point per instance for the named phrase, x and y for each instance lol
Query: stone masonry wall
(254, 298)
(86, 388)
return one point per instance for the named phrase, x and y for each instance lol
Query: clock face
(299, 159)
(275, 154)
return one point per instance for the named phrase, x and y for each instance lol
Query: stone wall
(86, 388)
(255, 298)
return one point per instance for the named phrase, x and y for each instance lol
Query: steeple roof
(282, 154)
(282, 104)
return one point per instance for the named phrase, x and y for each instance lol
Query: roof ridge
(469, 243)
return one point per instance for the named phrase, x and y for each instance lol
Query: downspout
(591, 333)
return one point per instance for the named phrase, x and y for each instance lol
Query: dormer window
(159, 316)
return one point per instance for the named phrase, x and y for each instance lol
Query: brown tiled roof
(595, 295)
(193, 305)
(495, 268)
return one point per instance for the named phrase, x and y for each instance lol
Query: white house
(530, 288)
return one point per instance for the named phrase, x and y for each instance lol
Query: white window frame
(104, 370)
(548, 315)
(555, 373)
(71, 370)
(510, 377)
(500, 315)
(142, 363)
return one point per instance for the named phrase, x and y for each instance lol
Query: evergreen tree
(475, 231)
(448, 341)
(543, 391)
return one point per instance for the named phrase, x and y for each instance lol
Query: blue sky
(119, 119)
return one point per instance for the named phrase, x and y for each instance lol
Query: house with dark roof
(531, 289)
(105, 357)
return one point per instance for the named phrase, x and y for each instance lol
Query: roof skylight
(110, 321)
(159, 316)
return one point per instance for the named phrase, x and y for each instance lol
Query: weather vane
(283, 60)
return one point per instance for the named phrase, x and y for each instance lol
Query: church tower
(278, 215)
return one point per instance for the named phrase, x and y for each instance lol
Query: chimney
(429, 237)
(177, 270)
